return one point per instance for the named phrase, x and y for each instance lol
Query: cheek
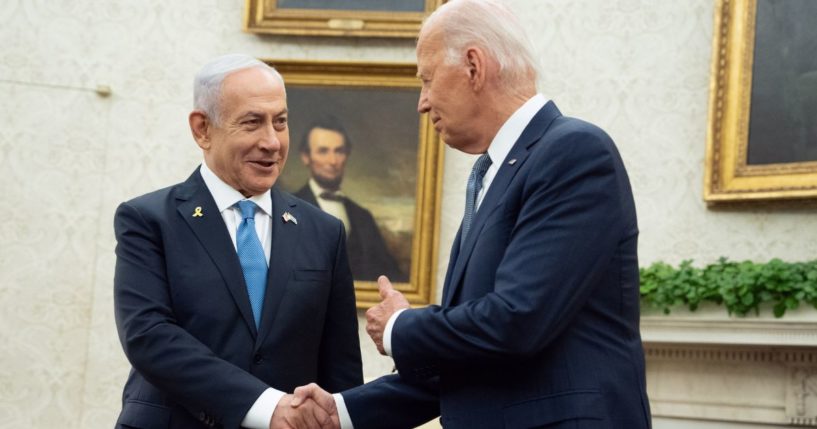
(283, 137)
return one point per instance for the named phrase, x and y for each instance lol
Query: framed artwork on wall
(360, 151)
(762, 131)
(363, 18)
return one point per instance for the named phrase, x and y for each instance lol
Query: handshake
(312, 407)
(308, 407)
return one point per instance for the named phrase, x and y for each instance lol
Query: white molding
(712, 325)
(762, 384)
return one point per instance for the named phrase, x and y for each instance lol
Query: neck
(501, 108)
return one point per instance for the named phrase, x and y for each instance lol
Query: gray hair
(490, 25)
(207, 84)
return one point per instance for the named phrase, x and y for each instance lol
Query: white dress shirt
(333, 207)
(498, 150)
(260, 414)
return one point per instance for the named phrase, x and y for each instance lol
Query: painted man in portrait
(325, 149)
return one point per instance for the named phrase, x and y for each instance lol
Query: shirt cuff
(343, 413)
(260, 413)
(387, 331)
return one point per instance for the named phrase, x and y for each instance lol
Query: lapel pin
(289, 218)
(512, 162)
(197, 212)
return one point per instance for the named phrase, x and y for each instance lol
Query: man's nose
(270, 141)
(334, 158)
(422, 104)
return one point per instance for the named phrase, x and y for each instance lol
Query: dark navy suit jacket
(539, 325)
(185, 321)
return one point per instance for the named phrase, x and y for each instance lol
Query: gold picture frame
(268, 17)
(377, 103)
(730, 175)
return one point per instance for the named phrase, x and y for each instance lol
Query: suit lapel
(452, 261)
(210, 230)
(284, 241)
(533, 133)
(305, 193)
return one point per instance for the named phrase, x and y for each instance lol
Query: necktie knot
(481, 166)
(247, 209)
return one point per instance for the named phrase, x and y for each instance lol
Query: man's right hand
(309, 407)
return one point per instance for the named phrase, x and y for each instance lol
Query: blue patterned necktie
(252, 258)
(472, 193)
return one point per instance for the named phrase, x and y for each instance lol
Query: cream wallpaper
(638, 68)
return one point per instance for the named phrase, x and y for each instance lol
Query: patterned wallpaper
(638, 68)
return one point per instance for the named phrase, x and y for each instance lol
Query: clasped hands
(312, 407)
(308, 407)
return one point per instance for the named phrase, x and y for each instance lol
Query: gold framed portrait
(356, 18)
(762, 131)
(360, 151)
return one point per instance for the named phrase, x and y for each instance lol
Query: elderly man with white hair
(539, 321)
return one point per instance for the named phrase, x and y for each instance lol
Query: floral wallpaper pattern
(68, 157)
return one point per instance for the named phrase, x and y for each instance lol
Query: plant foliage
(741, 287)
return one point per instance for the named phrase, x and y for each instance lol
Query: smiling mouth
(264, 163)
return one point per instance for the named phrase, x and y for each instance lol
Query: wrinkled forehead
(253, 87)
(253, 81)
(430, 34)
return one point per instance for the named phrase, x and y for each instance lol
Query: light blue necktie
(472, 193)
(252, 258)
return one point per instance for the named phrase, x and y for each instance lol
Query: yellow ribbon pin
(197, 212)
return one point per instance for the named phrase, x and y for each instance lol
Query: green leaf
(740, 286)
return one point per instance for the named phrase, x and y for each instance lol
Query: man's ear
(200, 127)
(305, 158)
(476, 62)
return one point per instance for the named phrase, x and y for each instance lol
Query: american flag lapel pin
(287, 217)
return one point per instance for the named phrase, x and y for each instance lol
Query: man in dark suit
(229, 292)
(539, 322)
(325, 148)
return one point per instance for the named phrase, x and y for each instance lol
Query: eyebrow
(261, 114)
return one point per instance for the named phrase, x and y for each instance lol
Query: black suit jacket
(369, 256)
(185, 321)
(539, 321)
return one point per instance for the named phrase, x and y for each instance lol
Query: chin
(328, 183)
(261, 187)
(453, 144)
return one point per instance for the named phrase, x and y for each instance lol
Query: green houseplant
(741, 287)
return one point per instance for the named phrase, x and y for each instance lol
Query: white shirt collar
(512, 129)
(226, 196)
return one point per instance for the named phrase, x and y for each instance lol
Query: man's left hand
(378, 316)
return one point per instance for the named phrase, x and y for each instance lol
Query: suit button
(257, 359)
